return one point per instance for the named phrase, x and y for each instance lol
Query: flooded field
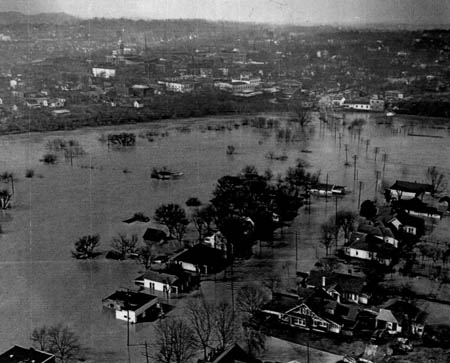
(41, 284)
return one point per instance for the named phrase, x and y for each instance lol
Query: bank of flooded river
(41, 284)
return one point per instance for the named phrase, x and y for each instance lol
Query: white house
(408, 190)
(385, 319)
(367, 247)
(103, 72)
(163, 281)
(129, 305)
(216, 240)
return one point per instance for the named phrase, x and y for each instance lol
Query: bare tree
(8, 177)
(254, 340)
(437, 180)
(251, 297)
(202, 219)
(58, 340)
(146, 256)
(39, 337)
(5, 199)
(124, 245)
(328, 230)
(302, 113)
(200, 314)
(225, 325)
(174, 218)
(175, 342)
(346, 220)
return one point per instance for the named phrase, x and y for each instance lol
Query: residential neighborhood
(216, 182)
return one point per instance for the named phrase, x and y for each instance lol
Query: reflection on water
(41, 284)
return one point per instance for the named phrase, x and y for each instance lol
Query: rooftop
(412, 187)
(201, 254)
(134, 300)
(18, 354)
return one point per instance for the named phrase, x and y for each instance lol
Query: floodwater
(40, 283)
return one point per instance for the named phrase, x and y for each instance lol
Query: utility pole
(146, 352)
(359, 194)
(346, 155)
(367, 145)
(376, 152)
(354, 166)
(376, 183)
(340, 137)
(326, 191)
(296, 252)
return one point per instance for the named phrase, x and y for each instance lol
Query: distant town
(189, 191)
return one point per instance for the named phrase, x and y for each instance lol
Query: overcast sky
(274, 11)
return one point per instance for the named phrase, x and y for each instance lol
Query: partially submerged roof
(412, 187)
(154, 235)
(234, 354)
(18, 354)
(130, 300)
(202, 254)
(159, 276)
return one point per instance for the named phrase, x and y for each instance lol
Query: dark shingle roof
(18, 354)
(338, 281)
(202, 255)
(134, 300)
(411, 187)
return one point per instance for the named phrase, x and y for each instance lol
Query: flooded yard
(40, 283)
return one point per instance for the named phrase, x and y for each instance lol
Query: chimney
(324, 280)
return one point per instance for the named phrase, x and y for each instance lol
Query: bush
(193, 202)
(49, 158)
(29, 173)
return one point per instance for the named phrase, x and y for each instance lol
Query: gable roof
(411, 187)
(154, 235)
(18, 354)
(400, 308)
(158, 276)
(338, 281)
(386, 315)
(234, 354)
(130, 300)
(201, 254)
(281, 303)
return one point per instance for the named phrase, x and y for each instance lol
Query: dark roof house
(201, 258)
(154, 235)
(18, 354)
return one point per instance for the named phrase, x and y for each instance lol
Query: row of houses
(170, 278)
(404, 219)
(339, 304)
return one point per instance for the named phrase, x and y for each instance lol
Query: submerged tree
(85, 246)
(302, 113)
(437, 180)
(59, 340)
(145, 256)
(5, 199)
(174, 218)
(202, 218)
(328, 234)
(124, 246)
(346, 220)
